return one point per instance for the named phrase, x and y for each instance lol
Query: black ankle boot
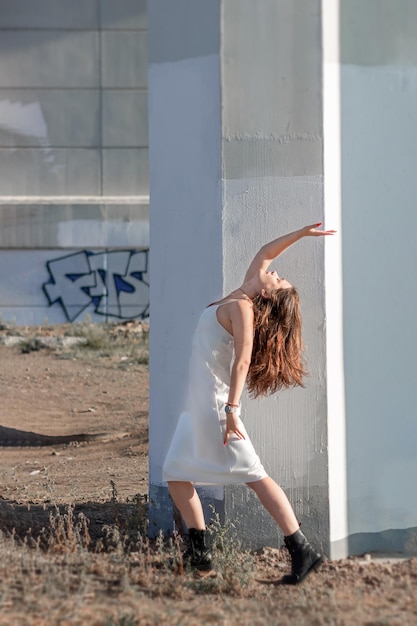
(304, 558)
(198, 554)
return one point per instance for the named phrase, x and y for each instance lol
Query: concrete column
(258, 110)
(236, 159)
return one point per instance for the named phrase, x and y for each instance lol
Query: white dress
(197, 452)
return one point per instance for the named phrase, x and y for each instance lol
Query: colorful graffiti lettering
(112, 283)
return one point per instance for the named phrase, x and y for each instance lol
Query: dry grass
(64, 563)
(64, 575)
(84, 339)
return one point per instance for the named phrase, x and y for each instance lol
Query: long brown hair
(277, 348)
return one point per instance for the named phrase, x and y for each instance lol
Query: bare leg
(276, 503)
(187, 500)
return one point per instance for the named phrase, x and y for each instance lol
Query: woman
(251, 336)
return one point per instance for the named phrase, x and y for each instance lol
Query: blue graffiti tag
(115, 284)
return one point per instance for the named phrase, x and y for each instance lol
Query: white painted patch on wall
(24, 119)
(113, 233)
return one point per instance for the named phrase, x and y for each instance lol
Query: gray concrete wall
(73, 132)
(73, 97)
(378, 51)
(271, 89)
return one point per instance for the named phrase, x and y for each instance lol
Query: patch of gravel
(64, 336)
(43, 342)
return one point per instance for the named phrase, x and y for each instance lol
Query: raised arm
(273, 249)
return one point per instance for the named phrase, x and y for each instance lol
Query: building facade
(74, 193)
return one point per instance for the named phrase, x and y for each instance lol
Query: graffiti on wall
(111, 283)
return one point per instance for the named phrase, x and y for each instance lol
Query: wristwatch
(230, 409)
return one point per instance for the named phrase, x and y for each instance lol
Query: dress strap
(219, 303)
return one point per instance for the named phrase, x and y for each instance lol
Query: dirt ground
(52, 396)
(103, 390)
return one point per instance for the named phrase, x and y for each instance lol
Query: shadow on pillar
(163, 516)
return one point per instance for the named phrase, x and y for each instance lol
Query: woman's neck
(247, 296)
(250, 289)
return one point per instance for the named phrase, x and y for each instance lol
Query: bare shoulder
(243, 307)
(237, 305)
(234, 314)
(241, 319)
(239, 310)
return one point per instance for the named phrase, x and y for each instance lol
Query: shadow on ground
(37, 523)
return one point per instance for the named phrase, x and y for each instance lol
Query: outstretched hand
(312, 231)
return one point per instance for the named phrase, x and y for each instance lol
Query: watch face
(228, 408)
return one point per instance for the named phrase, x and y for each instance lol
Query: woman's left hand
(232, 427)
(312, 231)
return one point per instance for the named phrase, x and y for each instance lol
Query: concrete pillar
(236, 159)
(259, 112)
